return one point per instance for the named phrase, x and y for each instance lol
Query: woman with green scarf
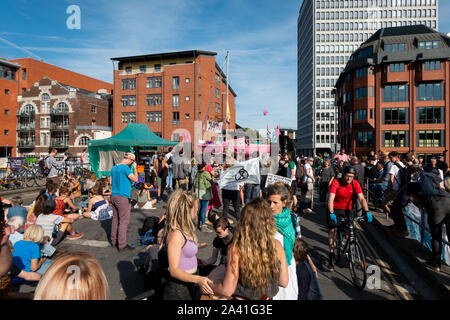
(278, 196)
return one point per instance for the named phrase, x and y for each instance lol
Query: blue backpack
(429, 184)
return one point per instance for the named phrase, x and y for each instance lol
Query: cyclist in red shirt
(342, 191)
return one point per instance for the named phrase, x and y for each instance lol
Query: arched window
(62, 107)
(83, 141)
(45, 97)
(28, 108)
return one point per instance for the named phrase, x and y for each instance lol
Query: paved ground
(126, 282)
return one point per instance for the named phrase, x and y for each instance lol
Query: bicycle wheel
(29, 178)
(357, 265)
(338, 251)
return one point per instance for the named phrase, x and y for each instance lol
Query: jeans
(251, 192)
(202, 212)
(231, 196)
(399, 203)
(169, 179)
(121, 218)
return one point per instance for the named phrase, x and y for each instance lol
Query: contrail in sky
(20, 48)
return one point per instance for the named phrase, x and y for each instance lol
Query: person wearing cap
(436, 170)
(340, 205)
(381, 185)
(442, 164)
(121, 178)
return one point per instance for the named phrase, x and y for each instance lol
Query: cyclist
(343, 192)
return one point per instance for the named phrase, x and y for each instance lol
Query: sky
(260, 35)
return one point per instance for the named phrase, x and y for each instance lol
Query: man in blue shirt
(120, 180)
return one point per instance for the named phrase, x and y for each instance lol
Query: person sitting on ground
(90, 182)
(92, 283)
(51, 189)
(98, 207)
(17, 209)
(74, 187)
(143, 198)
(308, 287)
(107, 191)
(51, 222)
(256, 262)
(63, 201)
(18, 223)
(27, 256)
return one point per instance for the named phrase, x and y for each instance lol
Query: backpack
(150, 223)
(299, 171)
(429, 184)
(403, 174)
(45, 171)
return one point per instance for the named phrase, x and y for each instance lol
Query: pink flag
(278, 132)
(265, 112)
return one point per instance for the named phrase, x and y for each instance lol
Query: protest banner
(241, 172)
(272, 178)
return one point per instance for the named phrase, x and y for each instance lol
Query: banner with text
(272, 178)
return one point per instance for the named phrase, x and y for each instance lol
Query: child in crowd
(308, 287)
(51, 222)
(143, 198)
(62, 202)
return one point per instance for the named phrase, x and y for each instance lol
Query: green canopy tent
(105, 153)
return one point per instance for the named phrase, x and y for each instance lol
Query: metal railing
(22, 144)
(59, 126)
(26, 127)
(59, 143)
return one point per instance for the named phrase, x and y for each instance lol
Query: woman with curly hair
(256, 263)
(178, 252)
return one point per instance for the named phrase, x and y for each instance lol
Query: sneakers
(400, 234)
(330, 262)
(209, 223)
(435, 265)
(204, 228)
(75, 236)
(307, 210)
(126, 249)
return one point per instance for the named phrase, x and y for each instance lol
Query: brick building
(55, 115)
(394, 93)
(170, 91)
(21, 74)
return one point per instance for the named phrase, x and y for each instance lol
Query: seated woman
(74, 187)
(256, 262)
(65, 207)
(26, 255)
(90, 181)
(143, 198)
(98, 208)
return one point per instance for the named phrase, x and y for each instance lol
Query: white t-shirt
(291, 291)
(305, 177)
(235, 186)
(48, 222)
(395, 171)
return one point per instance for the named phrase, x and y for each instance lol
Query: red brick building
(64, 117)
(24, 73)
(169, 91)
(394, 94)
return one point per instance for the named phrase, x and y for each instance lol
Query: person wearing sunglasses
(343, 192)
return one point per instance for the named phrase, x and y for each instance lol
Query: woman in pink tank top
(180, 243)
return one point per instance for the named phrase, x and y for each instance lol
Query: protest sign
(241, 172)
(272, 178)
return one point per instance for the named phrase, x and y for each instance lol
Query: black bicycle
(347, 244)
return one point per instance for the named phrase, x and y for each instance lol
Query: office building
(328, 33)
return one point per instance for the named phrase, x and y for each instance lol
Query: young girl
(143, 198)
(62, 202)
(98, 207)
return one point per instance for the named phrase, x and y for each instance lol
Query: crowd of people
(262, 252)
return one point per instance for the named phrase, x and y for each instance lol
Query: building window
(187, 116)
(217, 92)
(393, 47)
(83, 141)
(432, 65)
(360, 93)
(154, 99)
(395, 116)
(361, 114)
(45, 122)
(395, 139)
(429, 44)
(159, 134)
(364, 139)
(175, 100)
(218, 110)
(29, 108)
(128, 70)
(154, 116)
(217, 78)
(362, 72)
(128, 84)
(143, 69)
(430, 138)
(6, 132)
(175, 118)
(371, 113)
(157, 68)
(6, 112)
(154, 82)
(430, 115)
(6, 91)
(128, 101)
(395, 93)
(176, 83)
(128, 117)
(397, 67)
(371, 91)
(24, 74)
(24, 90)
(45, 97)
(430, 91)
(187, 80)
(94, 109)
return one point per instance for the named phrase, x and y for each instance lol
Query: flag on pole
(278, 131)
(265, 112)
(228, 114)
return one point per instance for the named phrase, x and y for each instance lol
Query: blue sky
(260, 35)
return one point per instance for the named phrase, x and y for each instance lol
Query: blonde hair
(178, 212)
(34, 233)
(254, 243)
(58, 283)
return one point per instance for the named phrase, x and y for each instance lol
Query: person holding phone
(121, 177)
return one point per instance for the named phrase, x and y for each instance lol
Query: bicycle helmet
(349, 169)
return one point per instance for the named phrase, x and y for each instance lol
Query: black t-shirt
(222, 247)
(14, 271)
(327, 174)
